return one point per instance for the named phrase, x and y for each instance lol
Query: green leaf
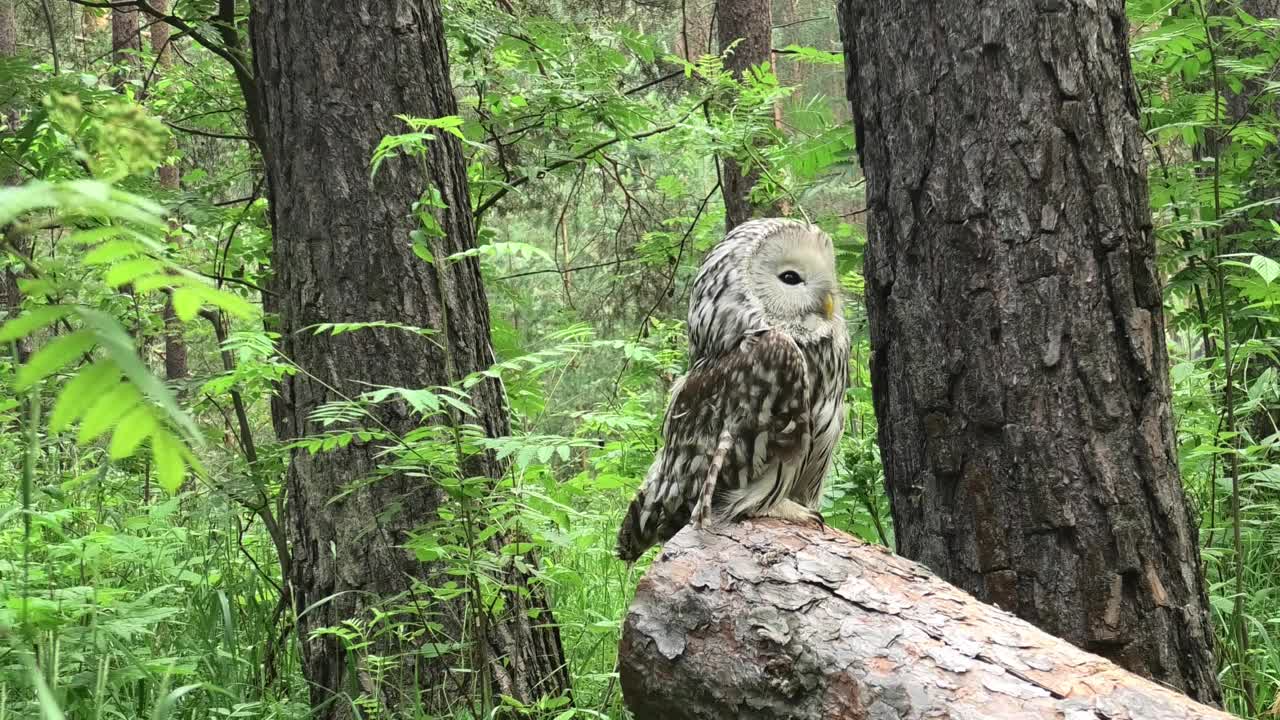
(49, 709)
(119, 347)
(132, 430)
(93, 236)
(112, 251)
(107, 410)
(15, 201)
(420, 248)
(1266, 267)
(814, 55)
(31, 321)
(130, 270)
(231, 303)
(168, 706)
(53, 357)
(186, 304)
(223, 300)
(84, 389)
(166, 455)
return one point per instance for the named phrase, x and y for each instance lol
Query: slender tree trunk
(333, 76)
(126, 43)
(751, 22)
(8, 39)
(694, 34)
(1265, 185)
(10, 294)
(175, 348)
(1019, 362)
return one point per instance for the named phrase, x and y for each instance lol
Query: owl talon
(792, 511)
(819, 521)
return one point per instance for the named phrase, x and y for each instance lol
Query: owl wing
(829, 379)
(757, 393)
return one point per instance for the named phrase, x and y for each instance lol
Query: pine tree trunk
(333, 76)
(175, 348)
(1019, 363)
(750, 21)
(126, 43)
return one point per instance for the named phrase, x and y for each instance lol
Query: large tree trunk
(333, 76)
(750, 21)
(765, 620)
(1019, 367)
(175, 349)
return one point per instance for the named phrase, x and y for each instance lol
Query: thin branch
(226, 249)
(801, 22)
(155, 62)
(234, 280)
(502, 191)
(208, 133)
(559, 271)
(207, 113)
(175, 21)
(540, 118)
(237, 201)
(53, 42)
(671, 281)
(1238, 601)
(18, 161)
(656, 81)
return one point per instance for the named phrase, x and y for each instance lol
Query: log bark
(333, 77)
(1019, 372)
(766, 619)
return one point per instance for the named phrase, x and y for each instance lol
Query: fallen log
(765, 619)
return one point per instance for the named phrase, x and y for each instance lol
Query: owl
(751, 428)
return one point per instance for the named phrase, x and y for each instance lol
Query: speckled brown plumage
(752, 427)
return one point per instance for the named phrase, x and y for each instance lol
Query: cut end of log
(766, 619)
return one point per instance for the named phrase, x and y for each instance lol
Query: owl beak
(829, 305)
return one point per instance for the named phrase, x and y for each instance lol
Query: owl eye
(791, 277)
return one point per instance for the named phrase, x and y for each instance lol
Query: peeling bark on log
(766, 619)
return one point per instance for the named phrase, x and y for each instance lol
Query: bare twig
(502, 191)
(208, 133)
(53, 41)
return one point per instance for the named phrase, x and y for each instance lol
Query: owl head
(792, 273)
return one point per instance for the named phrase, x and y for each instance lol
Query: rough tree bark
(767, 620)
(126, 43)
(1020, 375)
(750, 21)
(333, 77)
(175, 348)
